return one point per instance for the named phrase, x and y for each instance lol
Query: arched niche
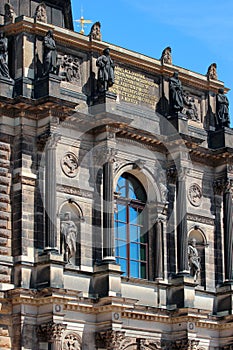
(201, 243)
(70, 218)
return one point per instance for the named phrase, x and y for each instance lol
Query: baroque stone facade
(115, 193)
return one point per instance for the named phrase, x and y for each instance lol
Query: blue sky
(199, 32)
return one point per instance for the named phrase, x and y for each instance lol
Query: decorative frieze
(69, 164)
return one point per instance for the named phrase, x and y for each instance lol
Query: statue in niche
(106, 71)
(95, 32)
(175, 94)
(4, 70)
(190, 107)
(212, 72)
(50, 54)
(166, 56)
(70, 68)
(222, 109)
(40, 14)
(194, 259)
(9, 15)
(69, 237)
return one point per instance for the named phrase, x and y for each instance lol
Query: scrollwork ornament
(69, 164)
(195, 195)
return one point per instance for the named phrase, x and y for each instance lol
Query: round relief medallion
(195, 195)
(69, 164)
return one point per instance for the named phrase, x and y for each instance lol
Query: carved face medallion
(69, 164)
(195, 195)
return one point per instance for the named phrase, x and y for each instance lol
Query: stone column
(108, 210)
(182, 239)
(228, 226)
(159, 249)
(52, 333)
(50, 194)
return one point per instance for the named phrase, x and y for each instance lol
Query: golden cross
(82, 21)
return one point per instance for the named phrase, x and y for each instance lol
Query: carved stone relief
(69, 164)
(195, 195)
(70, 68)
(190, 108)
(71, 341)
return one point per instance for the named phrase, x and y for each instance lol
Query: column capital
(51, 331)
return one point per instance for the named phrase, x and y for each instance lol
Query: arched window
(131, 238)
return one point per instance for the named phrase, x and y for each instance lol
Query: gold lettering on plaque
(136, 88)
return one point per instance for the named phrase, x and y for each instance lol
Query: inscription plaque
(135, 87)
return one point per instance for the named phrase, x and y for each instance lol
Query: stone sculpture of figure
(166, 56)
(194, 259)
(222, 111)
(191, 109)
(4, 70)
(9, 15)
(95, 32)
(106, 71)
(40, 14)
(69, 236)
(175, 94)
(212, 72)
(50, 54)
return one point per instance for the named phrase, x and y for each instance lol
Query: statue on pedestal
(69, 236)
(50, 54)
(4, 70)
(212, 72)
(194, 259)
(222, 110)
(175, 94)
(106, 71)
(166, 56)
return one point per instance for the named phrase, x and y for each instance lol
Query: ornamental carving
(69, 164)
(113, 340)
(182, 344)
(51, 332)
(145, 344)
(72, 341)
(70, 68)
(190, 108)
(195, 195)
(212, 72)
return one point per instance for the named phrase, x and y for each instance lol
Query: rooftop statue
(166, 56)
(106, 71)
(212, 72)
(95, 32)
(9, 15)
(40, 14)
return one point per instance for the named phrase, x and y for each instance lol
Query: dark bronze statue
(50, 54)
(4, 70)
(106, 71)
(222, 110)
(175, 94)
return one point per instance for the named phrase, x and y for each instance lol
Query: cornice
(72, 39)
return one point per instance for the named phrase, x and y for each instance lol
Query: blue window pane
(120, 230)
(123, 264)
(131, 193)
(121, 209)
(133, 214)
(135, 251)
(134, 269)
(134, 236)
(121, 249)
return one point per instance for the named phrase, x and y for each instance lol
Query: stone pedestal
(182, 292)
(7, 87)
(172, 124)
(107, 280)
(221, 138)
(24, 87)
(225, 299)
(47, 86)
(50, 270)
